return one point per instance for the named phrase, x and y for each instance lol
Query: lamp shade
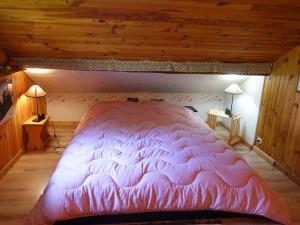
(35, 91)
(234, 89)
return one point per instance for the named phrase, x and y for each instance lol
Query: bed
(130, 158)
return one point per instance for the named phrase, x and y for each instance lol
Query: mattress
(150, 157)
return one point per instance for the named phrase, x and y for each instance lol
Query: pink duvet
(145, 157)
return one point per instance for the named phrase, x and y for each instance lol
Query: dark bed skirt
(174, 217)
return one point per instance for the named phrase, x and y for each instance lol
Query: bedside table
(37, 135)
(234, 131)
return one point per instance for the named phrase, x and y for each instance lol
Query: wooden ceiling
(177, 30)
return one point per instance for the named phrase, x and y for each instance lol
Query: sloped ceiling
(70, 81)
(175, 30)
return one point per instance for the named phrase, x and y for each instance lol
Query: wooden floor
(21, 187)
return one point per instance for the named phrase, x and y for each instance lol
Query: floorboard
(24, 183)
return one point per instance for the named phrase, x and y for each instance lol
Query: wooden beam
(143, 66)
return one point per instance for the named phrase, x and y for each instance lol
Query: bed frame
(174, 217)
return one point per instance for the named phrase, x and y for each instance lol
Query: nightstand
(234, 130)
(37, 135)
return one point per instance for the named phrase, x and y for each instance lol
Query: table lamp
(233, 89)
(35, 91)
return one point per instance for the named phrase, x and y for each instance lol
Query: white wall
(71, 106)
(71, 93)
(248, 105)
(70, 81)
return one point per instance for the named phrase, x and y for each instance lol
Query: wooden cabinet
(234, 131)
(36, 133)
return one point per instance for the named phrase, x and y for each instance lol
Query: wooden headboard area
(11, 135)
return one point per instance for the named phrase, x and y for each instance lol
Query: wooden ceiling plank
(30, 4)
(174, 29)
(102, 31)
(205, 43)
(94, 47)
(79, 15)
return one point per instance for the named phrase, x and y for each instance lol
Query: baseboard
(265, 156)
(11, 163)
(271, 161)
(245, 142)
(65, 124)
(277, 165)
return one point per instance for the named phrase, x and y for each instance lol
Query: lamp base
(228, 112)
(39, 118)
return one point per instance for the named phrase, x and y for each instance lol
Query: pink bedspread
(143, 157)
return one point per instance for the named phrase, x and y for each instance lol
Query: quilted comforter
(144, 157)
